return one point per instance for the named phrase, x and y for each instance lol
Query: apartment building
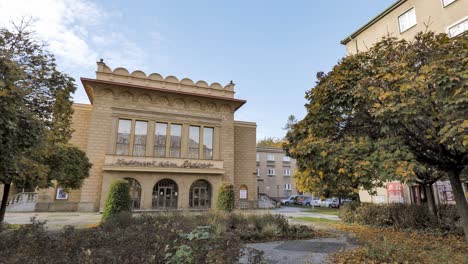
(175, 141)
(404, 19)
(274, 173)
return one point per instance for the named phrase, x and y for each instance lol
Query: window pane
(139, 139)
(407, 20)
(458, 28)
(194, 142)
(160, 137)
(176, 139)
(123, 137)
(208, 142)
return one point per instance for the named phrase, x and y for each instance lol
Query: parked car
(302, 200)
(312, 201)
(330, 203)
(290, 200)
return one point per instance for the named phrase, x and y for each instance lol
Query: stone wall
(244, 156)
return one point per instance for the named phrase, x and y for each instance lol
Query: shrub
(118, 199)
(402, 216)
(158, 238)
(226, 199)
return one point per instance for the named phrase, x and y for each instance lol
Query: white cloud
(75, 30)
(62, 24)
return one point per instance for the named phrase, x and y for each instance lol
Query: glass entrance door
(165, 195)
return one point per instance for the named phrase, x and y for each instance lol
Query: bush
(226, 199)
(118, 199)
(402, 216)
(216, 237)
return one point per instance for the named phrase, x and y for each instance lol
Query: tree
(36, 110)
(270, 142)
(426, 177)
(290, 122)
(411, 93)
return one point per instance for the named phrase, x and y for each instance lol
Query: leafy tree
(270, 142)
(426, 177)
(36, 109)
(407, 101)
(290, 122)
(118, 199)
(226, 198)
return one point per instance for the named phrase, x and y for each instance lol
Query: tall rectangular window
(139, 138)
(160, 139)
(407, 20)
(270, 157)
(194, 142)
(176, 141)
(123, 137)
(286, 159)
(208, 134)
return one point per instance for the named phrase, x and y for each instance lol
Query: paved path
(55, 220)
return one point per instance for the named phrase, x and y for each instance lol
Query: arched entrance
(135, 192)
(165, 194)
(200, 195)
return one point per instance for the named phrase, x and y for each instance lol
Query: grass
(385, 245)
(323, 210)
(314, 219)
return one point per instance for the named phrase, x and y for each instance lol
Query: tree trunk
(462, 205)
(6, 191)
(430, 199)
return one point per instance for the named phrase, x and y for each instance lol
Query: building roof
(270, 149)
(372, 21)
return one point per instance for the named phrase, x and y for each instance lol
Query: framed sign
(61, 194)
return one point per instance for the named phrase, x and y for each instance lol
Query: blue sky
(272, 50)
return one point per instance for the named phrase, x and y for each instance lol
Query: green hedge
(226, 198)
(118, 199)
(403, 216)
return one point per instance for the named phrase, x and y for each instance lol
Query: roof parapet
(155, 80)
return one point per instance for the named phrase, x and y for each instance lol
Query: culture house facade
(174, 141)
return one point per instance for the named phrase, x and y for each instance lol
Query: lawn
(323, 210)
(314, 219)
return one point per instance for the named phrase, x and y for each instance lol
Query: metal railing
(23, 197)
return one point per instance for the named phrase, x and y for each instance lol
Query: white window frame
(446, 3)
(287, 187)
(258, 156)
(271, 171)
(258, 172)
(270, 157)
(405, 15)
(287, 172)
(459, 22)
(286, 159)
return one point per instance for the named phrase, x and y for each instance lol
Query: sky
(271, 49)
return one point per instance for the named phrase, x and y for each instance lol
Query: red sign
(395, 192)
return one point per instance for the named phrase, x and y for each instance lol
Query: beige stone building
(175, 141)
(404, 19)
(274, 173)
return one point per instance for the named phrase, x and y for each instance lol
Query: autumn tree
(412, 93)
(35, 117)
(270, 142)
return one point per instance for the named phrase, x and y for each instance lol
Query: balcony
(170, 165)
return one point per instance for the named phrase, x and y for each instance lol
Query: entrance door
(165, 195)
(200, 195)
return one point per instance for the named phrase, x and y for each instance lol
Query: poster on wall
(445, 192)
(395, 192)
(61, 194)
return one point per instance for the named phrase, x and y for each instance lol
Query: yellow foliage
(384, 245)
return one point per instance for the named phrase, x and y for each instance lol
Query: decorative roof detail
(122, 75)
